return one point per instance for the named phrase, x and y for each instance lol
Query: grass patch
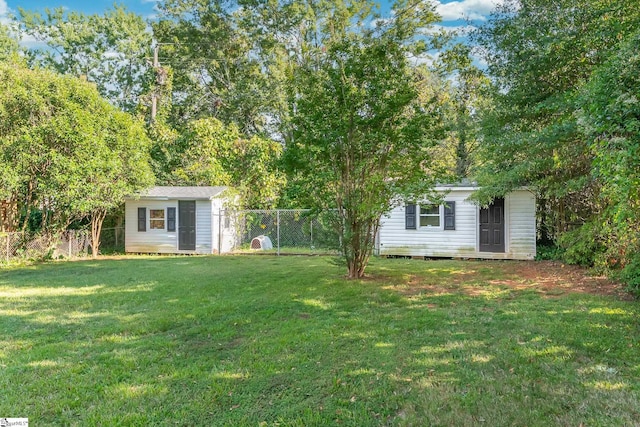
(287, 250)
(288, 341)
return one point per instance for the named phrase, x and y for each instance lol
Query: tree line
(565, 120)
(330, 104)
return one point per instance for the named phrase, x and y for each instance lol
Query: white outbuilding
(459, 228)
(178, 220)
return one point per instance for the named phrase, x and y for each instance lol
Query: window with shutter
(450, 215)
(171, 219)
(142, 219)
(410, 217)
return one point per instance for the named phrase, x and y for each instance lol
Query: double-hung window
(156, 219)
(429, 215)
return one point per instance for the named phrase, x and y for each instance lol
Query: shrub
(630, 275)
(582, 245)
(549, 252)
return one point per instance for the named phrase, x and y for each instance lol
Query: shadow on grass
(244, 341)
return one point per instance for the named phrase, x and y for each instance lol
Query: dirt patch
(554, 278)
(549, 278)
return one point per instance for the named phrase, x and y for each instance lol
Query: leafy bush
(612, 250)
(630, 275)
(582, 245)
(549, 252)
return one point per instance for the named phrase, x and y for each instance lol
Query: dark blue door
(492, 227)
(187, 225)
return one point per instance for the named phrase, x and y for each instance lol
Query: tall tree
(359, 136)
(232, 58)
(9, 46)
(609, 118)
(67, 151)
(112, 50)
(209, 153)
(467, 96)
(232, 63)
(540, 53)
(217, 65)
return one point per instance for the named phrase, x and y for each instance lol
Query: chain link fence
(23, 246)
(281, 232)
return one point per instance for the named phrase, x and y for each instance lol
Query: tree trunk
(361, 241)
(356, 266)
(25, 223)
(9, 215)
(97, 218)
(462, 150)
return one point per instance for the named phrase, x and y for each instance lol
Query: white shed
(459, 228)
(180, 220)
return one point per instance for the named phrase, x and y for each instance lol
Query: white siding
(162, 241)
(462, 242)
(204, 231)
(223, 233)
(150, 241)
(521, 225)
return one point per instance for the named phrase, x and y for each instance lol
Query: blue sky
(455, 13)
(142, 7)
(452, 11)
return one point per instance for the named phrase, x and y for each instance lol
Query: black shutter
(410, 217)
(142, 219)
(171, 219)
(449, 215)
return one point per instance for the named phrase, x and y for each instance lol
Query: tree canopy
(359, 133)
(65, 150)
(218, 61)
(112, 50)
(564, 120)
(540, 54)
(609, 118)
(331, 95)
(9, 47)
(207, 152)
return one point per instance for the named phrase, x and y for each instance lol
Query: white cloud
(425, 59)
(4, 12)
(479, 60)
(475, 10)
(381, 22)
(30, 42)
(461, 30)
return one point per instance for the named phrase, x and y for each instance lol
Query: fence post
(69, 243)
(219, 231)
(278, 229)
(8, 238)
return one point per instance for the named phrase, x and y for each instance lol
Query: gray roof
(463, 183)
(201, 193)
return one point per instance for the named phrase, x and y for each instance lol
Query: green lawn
(265, 341)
